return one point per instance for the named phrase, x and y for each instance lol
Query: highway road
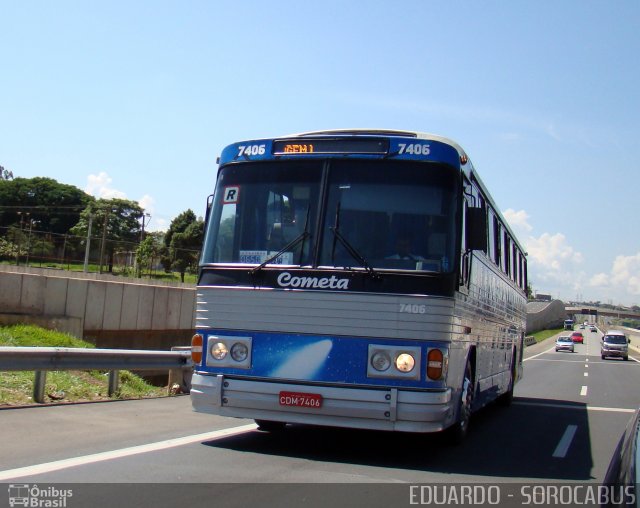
(568, 414)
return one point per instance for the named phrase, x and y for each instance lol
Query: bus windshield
(379, 214)
(395, 215)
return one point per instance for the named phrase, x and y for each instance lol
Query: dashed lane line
(565, 442)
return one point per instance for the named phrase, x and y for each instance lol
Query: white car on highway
(565, 343)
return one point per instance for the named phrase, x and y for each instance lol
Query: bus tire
(269, 426)
(459, 430)
(506, 398)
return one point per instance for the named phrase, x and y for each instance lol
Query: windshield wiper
(350, 248)
(300, 238)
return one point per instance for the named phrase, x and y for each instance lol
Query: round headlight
(380, 361)
(239, 352)
(405, 362)
(219, 350)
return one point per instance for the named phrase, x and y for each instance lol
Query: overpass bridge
(587, 310)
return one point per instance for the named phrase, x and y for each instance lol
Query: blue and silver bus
(356, 278)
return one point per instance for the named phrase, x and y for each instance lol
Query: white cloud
(622, 283)
(147, 203)
(552, 252)
(99, 186)
(599, 280)
(626, 271)
(625, 274)
(519, 221)
(158, 224)
(556, 267)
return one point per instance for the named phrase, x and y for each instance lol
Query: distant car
(614, 343)
(565, 343)
(577, 337)
(593, 329)
(581, 327)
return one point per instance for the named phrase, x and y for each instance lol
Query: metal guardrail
(43, 359)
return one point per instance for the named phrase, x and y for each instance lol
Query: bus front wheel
(459, 430)
(507, 398)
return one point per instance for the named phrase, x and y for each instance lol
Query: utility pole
(88, 245)
(104, 237)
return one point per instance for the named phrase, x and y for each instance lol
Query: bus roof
(466, 166)
(383, 132)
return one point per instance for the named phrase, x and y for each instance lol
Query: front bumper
(614, 352)
(375, 408)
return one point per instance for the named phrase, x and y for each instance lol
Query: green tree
(183, 242)
(44, 203)
(149, 249)
(529, 291)
(115, 224)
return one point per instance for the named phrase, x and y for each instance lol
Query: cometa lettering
(285, 279)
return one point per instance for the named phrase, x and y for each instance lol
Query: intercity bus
(356, 278)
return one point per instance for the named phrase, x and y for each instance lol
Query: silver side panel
(326, 313)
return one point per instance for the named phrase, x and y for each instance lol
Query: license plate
(297, 399)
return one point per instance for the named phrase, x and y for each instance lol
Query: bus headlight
(219, 350)
(239, 352)
(404, 359)
(405, 362)
(228, 351)
(380, 361)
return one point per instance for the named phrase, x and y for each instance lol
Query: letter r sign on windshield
(231, 195)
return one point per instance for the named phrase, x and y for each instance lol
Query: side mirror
(209, 203)
(476, 229)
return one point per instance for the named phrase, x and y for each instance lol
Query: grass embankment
(545, 334)
(16, 388)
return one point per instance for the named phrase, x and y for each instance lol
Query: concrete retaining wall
(100, 309)
(545, 315)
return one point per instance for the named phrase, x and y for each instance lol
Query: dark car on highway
(623, 476)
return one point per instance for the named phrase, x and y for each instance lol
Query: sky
(137, 99)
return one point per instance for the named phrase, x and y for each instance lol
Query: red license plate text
(300, 399)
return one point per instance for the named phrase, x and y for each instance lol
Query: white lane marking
(535, 356)
(611, 409)
(586, 374)
(57, 465)
(578, 406)
(548, 360)
(565, 442)
(586, 365)
(583, 391)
